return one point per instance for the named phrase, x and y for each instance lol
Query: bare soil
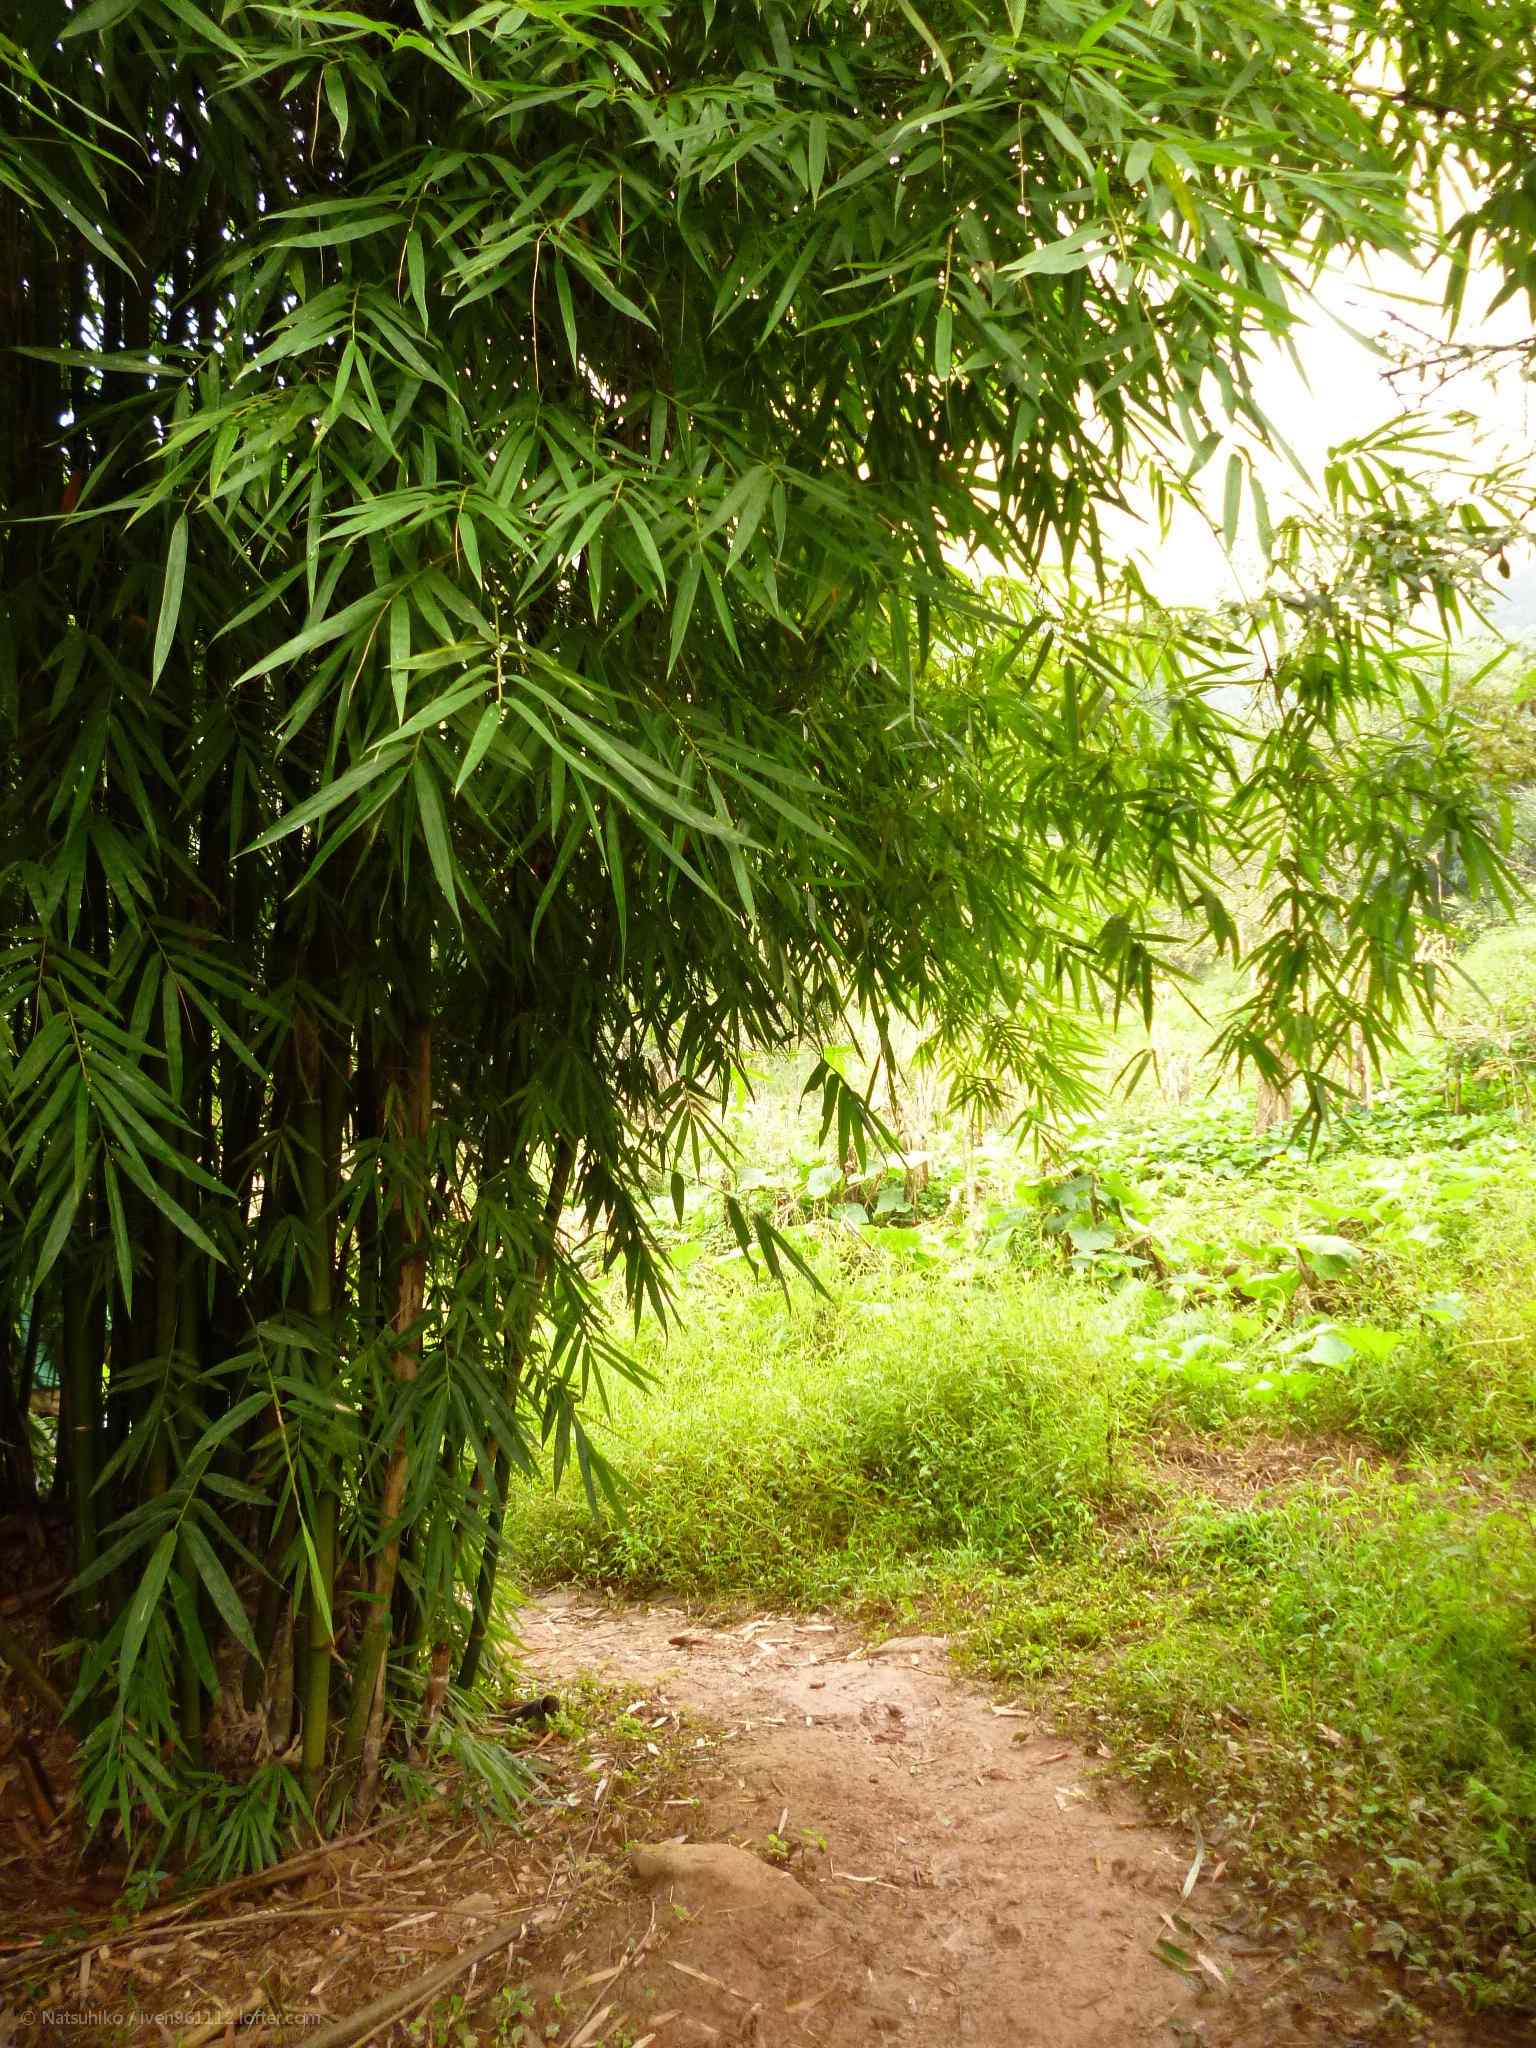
(873, 1850)
(758, 1830)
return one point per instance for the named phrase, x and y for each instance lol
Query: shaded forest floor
(958, 1870)
(765, 1828)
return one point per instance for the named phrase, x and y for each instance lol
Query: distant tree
(482, 645)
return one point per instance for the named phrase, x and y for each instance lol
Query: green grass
(1341, 1684)
(1335, 1675)
(805, 1454)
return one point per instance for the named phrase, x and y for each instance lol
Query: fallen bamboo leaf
(1192, 1877)
(213, 2028)
(597, 1977)
(1212, 1969)
(1173, 1956)
(580, 2040)
(703, 1976)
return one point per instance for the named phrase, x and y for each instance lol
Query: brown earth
(863, 1849)
(951, 1870)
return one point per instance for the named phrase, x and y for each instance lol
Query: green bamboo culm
(79, 1430)
(315, 1220)
(364, 1723)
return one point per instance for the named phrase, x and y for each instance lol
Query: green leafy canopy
(483, 647)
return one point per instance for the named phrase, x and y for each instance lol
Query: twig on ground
(628, 1963)
(159, 1916)
(405, 1999)
(213, 2028)
(37, 1682)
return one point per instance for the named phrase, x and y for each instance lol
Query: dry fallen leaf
(597, 1977)
(590, 2029)
(1211, 1968)
(806, 2004)
(703, 1977)
(1195, 1868)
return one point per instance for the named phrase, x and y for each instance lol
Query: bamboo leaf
(1232, 502)
(184, 1600)
(220, 1591)
(170, 597)
(434, 825)
(485, 731)
(141, 1610)
(326, 798)
(55, 1239)
(320, 634)
(816, 152)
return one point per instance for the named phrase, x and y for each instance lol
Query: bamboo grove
(486, 643)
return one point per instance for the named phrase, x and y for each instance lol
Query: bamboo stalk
(18, 1478)
(365, 1722)
(320, 1601)
(79, 1423)
(490, 1556)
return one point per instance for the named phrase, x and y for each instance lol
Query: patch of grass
(1343, 1684)
(797, 1452)
(1337, 1676)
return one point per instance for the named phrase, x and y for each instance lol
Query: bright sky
(1339, 393)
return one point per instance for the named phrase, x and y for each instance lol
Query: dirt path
(977, 1884)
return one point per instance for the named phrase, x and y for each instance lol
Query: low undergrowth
(801, 1456)
(1316, 1636)
(1339, 1685)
